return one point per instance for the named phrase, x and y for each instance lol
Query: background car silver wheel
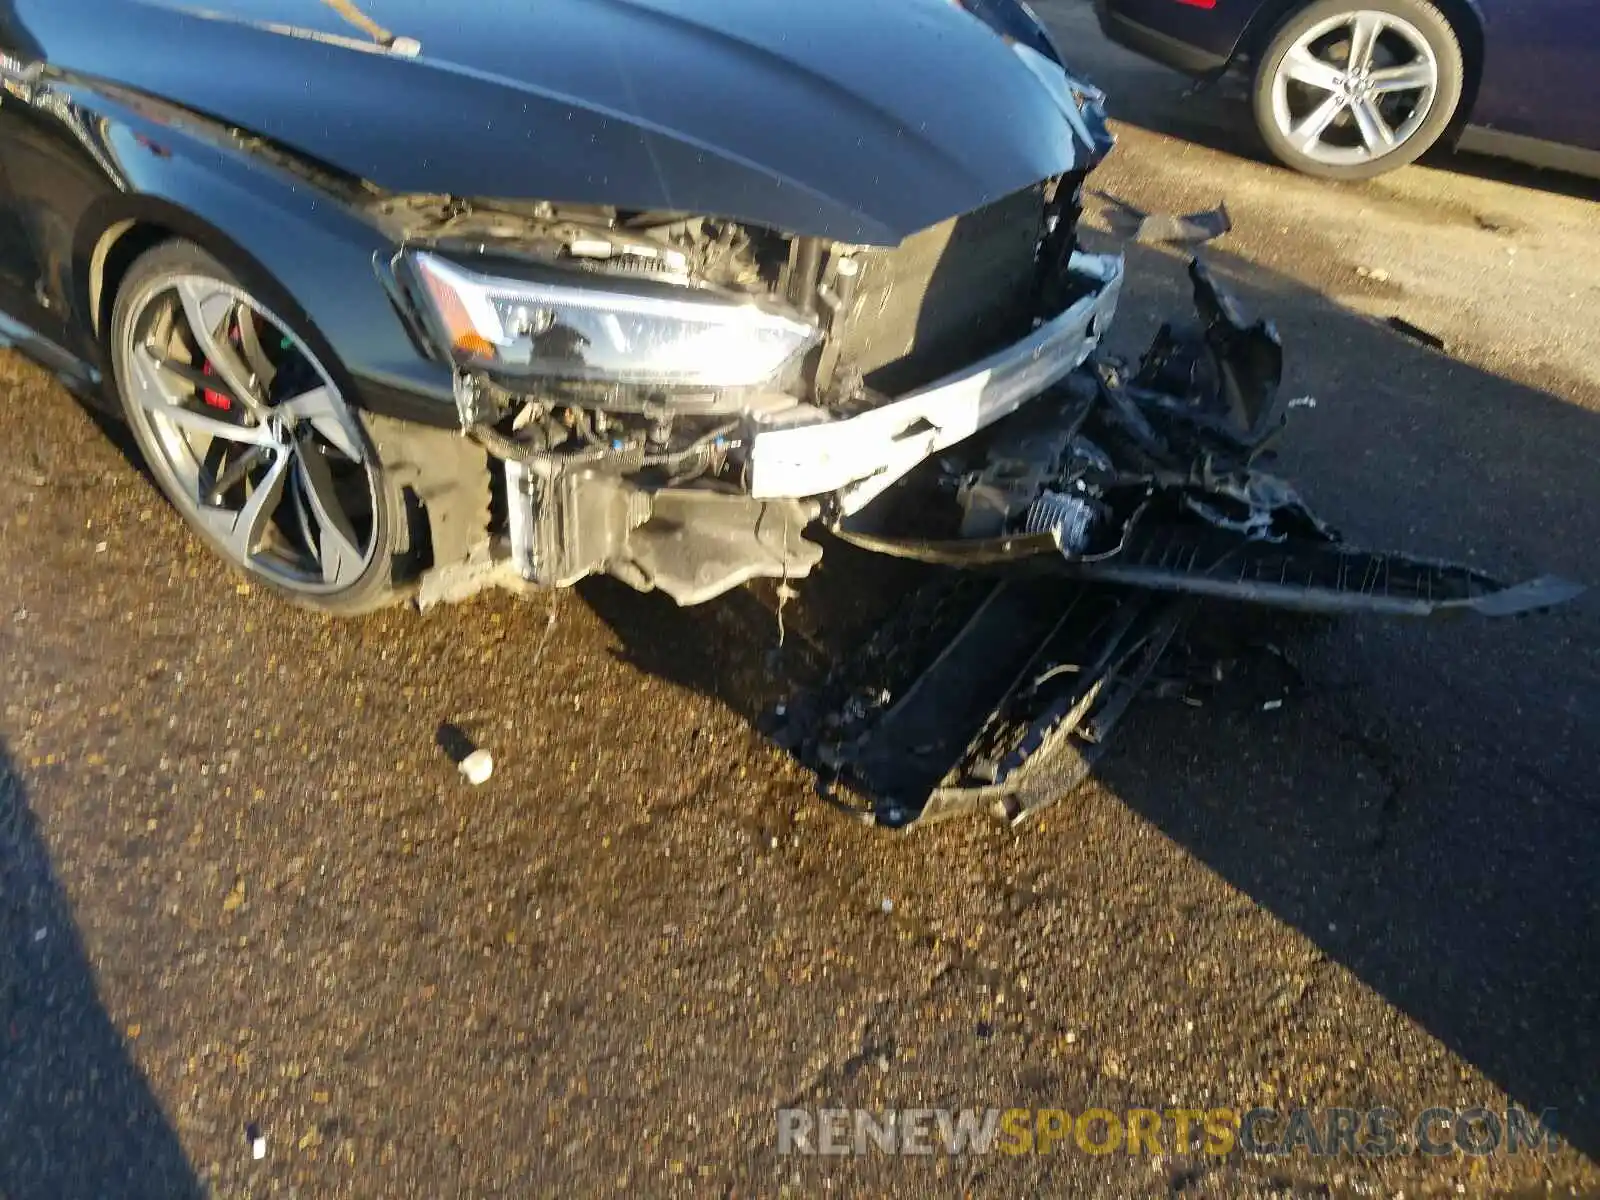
(249, 434)
(1348, 92)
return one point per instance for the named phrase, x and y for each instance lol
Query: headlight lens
(561, 330)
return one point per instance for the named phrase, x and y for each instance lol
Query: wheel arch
(111, 238)
(1466, 20)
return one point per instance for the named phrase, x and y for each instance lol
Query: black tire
(384, 529)
(1425, 19)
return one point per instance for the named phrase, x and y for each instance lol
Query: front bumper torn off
(1105, 517)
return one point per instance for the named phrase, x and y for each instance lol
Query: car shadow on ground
(77, 1119)
(1420, 806)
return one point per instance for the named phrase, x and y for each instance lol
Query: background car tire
(1404, 26)
(348, 557)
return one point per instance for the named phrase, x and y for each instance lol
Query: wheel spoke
(302, 517)
(1375, 131)
(235, 472)
(243, 530)
(325, 413)
(150, 395)
(207, 309)
(337, 547)
(202, 382)
(1308, 132)
(1364, 30)
(1304, 67)
(1410, 77)
(255, 355)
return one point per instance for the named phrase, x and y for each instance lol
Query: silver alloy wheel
(250, 433)
(1354, 88)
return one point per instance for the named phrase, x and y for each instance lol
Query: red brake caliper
(213, 399)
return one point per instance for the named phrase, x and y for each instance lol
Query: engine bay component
(566, 525)
(693, 543)
(1069, 519)
(699, 543)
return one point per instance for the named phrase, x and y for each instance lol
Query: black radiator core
(945, 297)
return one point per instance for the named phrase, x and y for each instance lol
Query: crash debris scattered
(477, 767)
(1094, 527)
(475, 763)
(1189, 229)
(1417, 333)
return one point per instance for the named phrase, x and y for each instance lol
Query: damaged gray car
(405, 300)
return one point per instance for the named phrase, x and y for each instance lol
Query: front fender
(296, 235)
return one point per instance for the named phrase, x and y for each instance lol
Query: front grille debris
(1093, 525)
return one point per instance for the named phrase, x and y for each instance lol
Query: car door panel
(18, 254)
(1541, 76)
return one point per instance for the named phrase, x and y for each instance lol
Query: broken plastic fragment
(1190, 229)
(477, 767)
(1416, 333)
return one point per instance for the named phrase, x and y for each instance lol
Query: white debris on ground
(477, 767)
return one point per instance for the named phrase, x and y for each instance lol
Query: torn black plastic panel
(1106, 512)
(1155, 484)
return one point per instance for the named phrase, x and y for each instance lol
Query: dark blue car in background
(1348, 89)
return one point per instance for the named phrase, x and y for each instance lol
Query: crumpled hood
(861, 120)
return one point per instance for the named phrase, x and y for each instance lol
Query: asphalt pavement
(247, 905)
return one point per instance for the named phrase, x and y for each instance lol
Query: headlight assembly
(604, 330)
